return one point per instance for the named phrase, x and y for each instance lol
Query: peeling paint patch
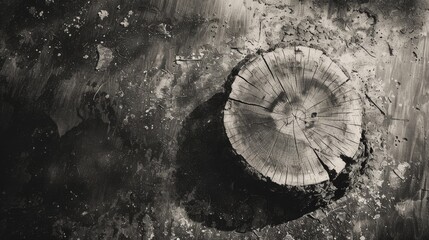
(105, 56)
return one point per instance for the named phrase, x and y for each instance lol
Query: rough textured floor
(101, 102)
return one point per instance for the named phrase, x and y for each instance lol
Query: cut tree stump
(293, 116)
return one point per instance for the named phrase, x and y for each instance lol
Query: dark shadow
(28, 143)
(46, 178)
(215, 187)
(218, 188)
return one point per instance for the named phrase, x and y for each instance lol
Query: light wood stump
(293, 116)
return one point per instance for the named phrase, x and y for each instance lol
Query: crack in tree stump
(293, 116)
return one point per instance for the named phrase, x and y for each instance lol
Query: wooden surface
(291, 114)
(89, 154)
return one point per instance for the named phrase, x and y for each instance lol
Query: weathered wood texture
(93, 154)
(291, 114)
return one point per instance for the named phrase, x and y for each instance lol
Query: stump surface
(292, 115)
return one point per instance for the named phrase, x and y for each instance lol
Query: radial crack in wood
(292, 114)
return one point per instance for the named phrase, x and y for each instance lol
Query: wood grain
(292, 115)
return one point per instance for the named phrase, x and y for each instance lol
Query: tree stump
(293, 116)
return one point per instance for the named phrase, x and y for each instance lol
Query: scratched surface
(108, 125)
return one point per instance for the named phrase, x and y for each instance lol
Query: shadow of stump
(216, 189)
(219, 189)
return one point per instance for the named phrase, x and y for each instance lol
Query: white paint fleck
(103, 14)
(125, 22)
